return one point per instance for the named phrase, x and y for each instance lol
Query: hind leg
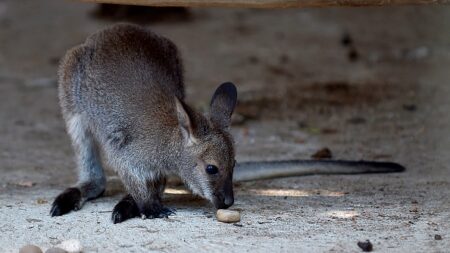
(91, 179)
(143, 201)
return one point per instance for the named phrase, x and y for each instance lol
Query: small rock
(437, 237)
(328, 131)
(26, 183)
(228, 216)
(357, 120)
(353, 55)
(322, 154)
(366, 246)
(30, 249)
(71, 246)
(346, 40)
(41, 201)
(55, 250)
(410, 107)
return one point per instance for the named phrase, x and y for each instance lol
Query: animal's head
(208, 159)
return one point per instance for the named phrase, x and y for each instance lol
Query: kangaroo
(122, 97)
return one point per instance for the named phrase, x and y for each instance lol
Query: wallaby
(122, 98)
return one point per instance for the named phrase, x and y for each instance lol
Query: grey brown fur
(122, 97)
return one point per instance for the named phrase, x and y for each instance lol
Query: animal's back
(122, 75)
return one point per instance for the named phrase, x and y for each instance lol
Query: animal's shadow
(175, 196)
(248, 195)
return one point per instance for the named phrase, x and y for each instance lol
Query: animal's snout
(223, 202)
(229, 201)
(225, 197)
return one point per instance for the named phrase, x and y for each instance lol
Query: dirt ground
(368, 83)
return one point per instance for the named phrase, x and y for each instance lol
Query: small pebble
(41, 201)
(353, 55)
(357, 120)
(323, 153)
(228, 216)
(410, 107)
(346, 40)
(55, 250)
(30, 249)
(437, 237)
(71, 246)
(366, 246)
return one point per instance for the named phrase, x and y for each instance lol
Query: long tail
(249, 171)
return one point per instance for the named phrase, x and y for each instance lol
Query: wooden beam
(269, 3)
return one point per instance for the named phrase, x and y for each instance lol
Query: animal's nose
(228, 201)
(224, 198)
(224, 202)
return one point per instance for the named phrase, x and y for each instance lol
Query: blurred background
(365, 83)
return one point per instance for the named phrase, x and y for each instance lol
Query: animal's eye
(211, 169)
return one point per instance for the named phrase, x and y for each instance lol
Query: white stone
(30, 249)
(228, 216)
(71, 246)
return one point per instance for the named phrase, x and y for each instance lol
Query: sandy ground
(299, 91)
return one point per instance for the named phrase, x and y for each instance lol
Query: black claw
(124, 210)
(167, 212)
(67, 201)
(117, 218)
(55, 211)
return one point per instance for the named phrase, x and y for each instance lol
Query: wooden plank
(269, 3)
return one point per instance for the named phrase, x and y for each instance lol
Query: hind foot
(127, 209)
(67, 201)
(124, 210)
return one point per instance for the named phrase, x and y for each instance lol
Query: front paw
(124, 210)
(67, 201)
(156, 211)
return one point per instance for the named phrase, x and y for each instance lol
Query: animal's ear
(222, 105)
(185, 122)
